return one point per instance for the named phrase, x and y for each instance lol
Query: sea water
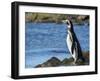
(46, 40)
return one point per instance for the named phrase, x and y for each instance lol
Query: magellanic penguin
(73, 43)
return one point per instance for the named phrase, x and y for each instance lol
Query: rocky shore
(54, 62)
(55, 18)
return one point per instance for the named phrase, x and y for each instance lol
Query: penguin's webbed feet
(80, 62)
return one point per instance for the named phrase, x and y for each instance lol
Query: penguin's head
(69, 24)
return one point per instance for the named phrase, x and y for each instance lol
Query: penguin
(73, 43)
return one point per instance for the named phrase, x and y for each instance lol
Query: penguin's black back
(75, 40)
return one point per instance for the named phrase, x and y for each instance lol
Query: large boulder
(54, 61)
(50, 63)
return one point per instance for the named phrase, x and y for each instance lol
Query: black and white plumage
(73, 43)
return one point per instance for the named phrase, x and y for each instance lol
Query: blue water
(46, 40)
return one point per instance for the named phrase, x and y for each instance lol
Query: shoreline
(85, 23)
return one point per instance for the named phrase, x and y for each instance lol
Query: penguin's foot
(79, 62)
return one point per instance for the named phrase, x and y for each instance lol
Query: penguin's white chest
(69, 43)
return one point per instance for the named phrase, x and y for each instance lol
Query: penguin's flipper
(72, 48)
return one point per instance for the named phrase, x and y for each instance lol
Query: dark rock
(50, 63)
(86, 57)
(67, 61)
(54, 61)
